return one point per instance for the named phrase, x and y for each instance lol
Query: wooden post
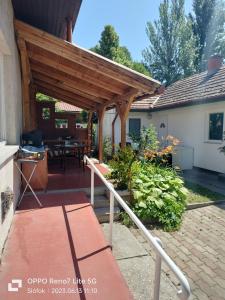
(69, 30)
(123, 109)
(26, 77)
(89, 127)
(101, 112)
(33, 107)
(113, 133)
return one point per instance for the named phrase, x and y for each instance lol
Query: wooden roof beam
(64, 98)
(76, 83)
(86, 58)
(58, 65)
(131, 93)
(58, 91)
(64, 87)
(64, 82)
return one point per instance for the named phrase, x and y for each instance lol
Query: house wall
(108, 119)
(189, 125)
(10, 111)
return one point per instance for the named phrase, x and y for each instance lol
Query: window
(135, 127)
(216, 126)
(61, 123)
(46, 113)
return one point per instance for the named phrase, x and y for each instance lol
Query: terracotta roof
(197, 88)
(144, 104)
(67, 107)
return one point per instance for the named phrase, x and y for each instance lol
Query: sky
(129, 18)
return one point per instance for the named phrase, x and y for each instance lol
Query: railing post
(158, 264)
(92, 185)
(111, 218)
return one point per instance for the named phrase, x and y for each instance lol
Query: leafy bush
(123, 165)
(107, 148)
(147, 140)
(150, 148)
(159, 196)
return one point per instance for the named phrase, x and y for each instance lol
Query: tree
(208, 19)
(172, 51)
(109, 46)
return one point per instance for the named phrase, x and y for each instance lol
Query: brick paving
(198, 248)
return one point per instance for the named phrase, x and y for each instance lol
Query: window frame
(216, 141)
(134, 118)
(62, 120)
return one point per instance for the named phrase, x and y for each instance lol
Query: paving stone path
(198, 248)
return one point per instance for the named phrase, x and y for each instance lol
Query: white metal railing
(185, 291)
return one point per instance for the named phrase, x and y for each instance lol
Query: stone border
(203, 204)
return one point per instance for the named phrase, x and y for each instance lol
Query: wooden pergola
(77, 76)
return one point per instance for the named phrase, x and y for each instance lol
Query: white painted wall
(10, 111)
(109, 116)
(11, 78)
(10, 179)
(190, 125)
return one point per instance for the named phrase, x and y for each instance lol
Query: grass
(200, 194)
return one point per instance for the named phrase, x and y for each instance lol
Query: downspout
(113, 134)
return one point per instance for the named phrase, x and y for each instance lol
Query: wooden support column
(69, 30)
(123, 109)
(33, 107)
(89, 127)
(101, 112)
(26, 77)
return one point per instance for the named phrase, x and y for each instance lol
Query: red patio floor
(61, 241)
(73, 177)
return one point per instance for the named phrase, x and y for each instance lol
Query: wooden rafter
(56, 64)
(86, 58)
(77, 84)
(62, 97)
(56, 83)
(117, 99)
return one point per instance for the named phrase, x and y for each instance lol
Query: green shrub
(124, 166)
(107, 148)
(159, 195)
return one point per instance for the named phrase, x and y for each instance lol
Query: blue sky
(129, 17)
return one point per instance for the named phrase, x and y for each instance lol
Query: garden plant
(158, 192)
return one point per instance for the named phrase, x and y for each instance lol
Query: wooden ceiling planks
(78, 75)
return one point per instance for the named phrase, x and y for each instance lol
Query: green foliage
(159, 196)
(124, 166)
(84, 116)
(42, 97)
(109, 46)
(107, 148)
(208, 19)
(172, 50)
(140, 67)
(148, 139)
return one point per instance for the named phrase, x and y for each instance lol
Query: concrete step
(102, 214)
(99, 191)
(102, 201)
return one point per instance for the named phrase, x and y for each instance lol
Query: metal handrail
(185, 291)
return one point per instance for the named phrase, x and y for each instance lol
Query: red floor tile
(73, 177)
(62, 241)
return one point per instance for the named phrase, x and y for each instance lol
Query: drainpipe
(113, 133)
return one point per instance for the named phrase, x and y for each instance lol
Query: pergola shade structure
(77, 76)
